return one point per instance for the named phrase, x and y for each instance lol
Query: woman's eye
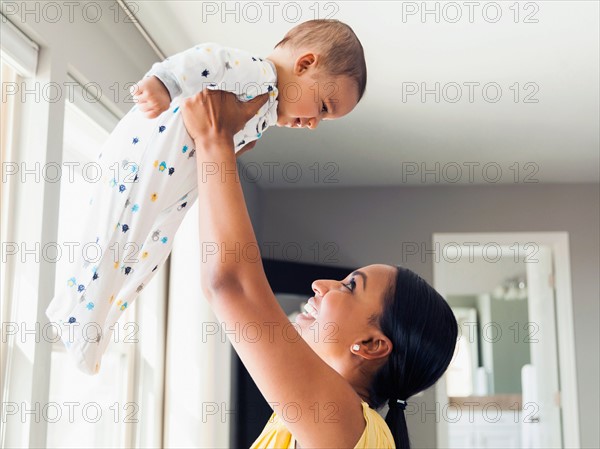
(350, 285)
(324, 108)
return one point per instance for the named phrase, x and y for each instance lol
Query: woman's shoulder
(376, 433)
(274, 435)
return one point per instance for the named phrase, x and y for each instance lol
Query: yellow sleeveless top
(376, 434)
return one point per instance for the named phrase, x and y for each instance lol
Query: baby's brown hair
(340, 50)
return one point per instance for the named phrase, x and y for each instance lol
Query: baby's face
(308, 97)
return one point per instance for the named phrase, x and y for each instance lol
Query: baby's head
(321, 73)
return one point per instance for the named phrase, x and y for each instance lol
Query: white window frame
(36, 65)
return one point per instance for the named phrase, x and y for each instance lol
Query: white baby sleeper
(148, 183)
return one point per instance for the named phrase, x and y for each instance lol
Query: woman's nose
(319, 288)
(322, 286)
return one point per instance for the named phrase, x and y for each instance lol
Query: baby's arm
(185, 73)
(190, 71)
(205, 65)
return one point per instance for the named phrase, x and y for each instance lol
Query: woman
(381, 334)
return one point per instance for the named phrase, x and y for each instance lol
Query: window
(102, 403)
(46, 401)
(7, 124)
(121, 406)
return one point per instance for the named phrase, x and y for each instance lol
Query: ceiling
(550, 56)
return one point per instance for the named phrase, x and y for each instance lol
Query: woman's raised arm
(317, 405)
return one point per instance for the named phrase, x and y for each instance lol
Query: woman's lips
(306, 316)
(309, 309)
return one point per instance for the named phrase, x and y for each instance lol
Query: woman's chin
(304, 318)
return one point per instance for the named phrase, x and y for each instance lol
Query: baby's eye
(324, 109)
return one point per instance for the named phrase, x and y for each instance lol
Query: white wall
(369, 225)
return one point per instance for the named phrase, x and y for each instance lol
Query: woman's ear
(377, 347)
(305, 62)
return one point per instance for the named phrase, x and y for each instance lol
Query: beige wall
(369, 225)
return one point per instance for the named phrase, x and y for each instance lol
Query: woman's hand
(214, 116)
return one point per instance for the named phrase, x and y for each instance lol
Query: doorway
(512, 380)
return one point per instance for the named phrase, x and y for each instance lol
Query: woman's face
(340, 318)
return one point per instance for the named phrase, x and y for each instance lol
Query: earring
(356, 347)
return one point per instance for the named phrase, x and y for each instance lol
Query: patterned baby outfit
(149, 181)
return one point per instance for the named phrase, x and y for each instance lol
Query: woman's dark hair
(423, 330)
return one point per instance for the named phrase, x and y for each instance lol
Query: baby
(317, 72)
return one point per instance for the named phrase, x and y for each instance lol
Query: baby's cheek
(279, 109)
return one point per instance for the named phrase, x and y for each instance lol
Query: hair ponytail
(396, 421)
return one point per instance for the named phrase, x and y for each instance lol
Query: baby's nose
(313, 123)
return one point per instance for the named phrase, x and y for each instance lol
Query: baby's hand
(151, 96)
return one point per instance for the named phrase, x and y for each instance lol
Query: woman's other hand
(214, 116)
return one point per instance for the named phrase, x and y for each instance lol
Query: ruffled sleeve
(376, 434)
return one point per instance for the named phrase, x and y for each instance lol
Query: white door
(541, 418)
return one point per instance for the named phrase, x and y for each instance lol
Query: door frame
(559, 243)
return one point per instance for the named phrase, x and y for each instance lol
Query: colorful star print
(126, 208)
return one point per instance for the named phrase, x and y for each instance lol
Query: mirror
(490, 303)
(502, 384)
(488, 361)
